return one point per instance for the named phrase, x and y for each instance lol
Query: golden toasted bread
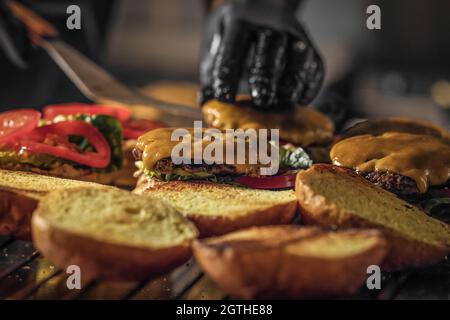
(220, 208)
(334, 196)
(111, 233)
(20, 193)
(290, 261)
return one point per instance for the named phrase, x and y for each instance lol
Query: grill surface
(25, 274)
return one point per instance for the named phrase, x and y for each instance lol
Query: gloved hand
(14, 40)
(262, 42)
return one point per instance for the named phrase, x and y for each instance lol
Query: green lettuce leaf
(111, 129)
(180, 174)
(294, 157)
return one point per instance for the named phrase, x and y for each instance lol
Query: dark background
(403, 69)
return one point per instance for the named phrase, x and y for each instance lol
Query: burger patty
(393, 182)
(166, 166)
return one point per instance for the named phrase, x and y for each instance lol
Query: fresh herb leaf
(111, 129)
(295, 158)
(188, 176)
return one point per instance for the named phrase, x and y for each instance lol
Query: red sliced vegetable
(269, 182)
(17, 123)
(53, 140)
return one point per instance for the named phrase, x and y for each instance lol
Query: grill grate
(25, 274)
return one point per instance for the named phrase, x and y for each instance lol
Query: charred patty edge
(393, 182)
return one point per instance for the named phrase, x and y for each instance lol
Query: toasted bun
(20, 193)
(396, 124)
(334, 196)
(220, 208)
(111, 234)
(301, 126)
(290, 261)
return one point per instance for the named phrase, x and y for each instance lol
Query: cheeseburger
(156, 162)
(407, 160)
(300, 126)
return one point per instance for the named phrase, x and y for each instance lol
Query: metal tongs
(93, 81)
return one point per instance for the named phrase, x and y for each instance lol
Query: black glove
(14, 40)
(263, 42)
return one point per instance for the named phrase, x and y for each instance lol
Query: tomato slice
(133, 129)
(121, 113)
(60, 147)
(16, 123)
(271, 182)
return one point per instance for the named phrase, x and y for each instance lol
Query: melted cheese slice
(157, 145)
(396, 124)
(303, 126)
(423, 158)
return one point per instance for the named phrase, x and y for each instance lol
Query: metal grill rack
(25, 274)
